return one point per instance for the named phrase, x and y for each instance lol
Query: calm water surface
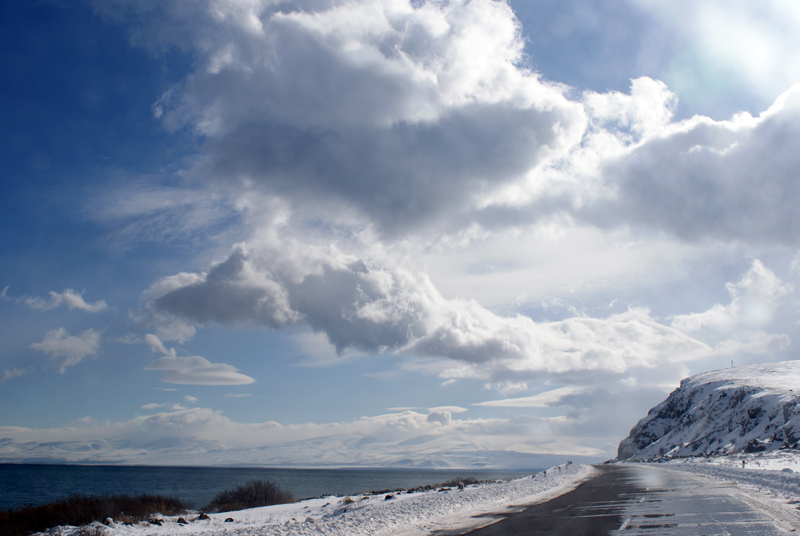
(23, 484)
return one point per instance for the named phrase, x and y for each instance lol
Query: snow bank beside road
(778, 473)
(401, 514)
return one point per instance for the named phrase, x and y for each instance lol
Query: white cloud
(196, 370)
(425, 105)
(139, 211)
(318, 351)
(156, 345)
(432, 130)
(541, 400)
(698, 180)
(449, 409)
(736, 328)
(69, 298)
(10, 374)
(702, 179)
(371, 307)
(442, 417)
(190, 399)
(192, 370)
(644, 113)
(231, 292)
(754, 299)
(60, 344)
(431, 121)
(757, 343)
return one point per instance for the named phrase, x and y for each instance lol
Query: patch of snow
(392, 514)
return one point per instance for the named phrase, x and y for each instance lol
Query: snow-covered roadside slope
(777, 473)
(738, 410)
(400, 514)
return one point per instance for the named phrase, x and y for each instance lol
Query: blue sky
(386, 232)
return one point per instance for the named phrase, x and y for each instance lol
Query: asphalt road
(634, 500)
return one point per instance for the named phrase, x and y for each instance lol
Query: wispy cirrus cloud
(541, 400)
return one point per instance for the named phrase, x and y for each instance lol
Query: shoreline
(41, 484)
(411, 513)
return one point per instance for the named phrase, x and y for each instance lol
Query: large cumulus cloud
(696, 180)
(404, 111)
(703, 179)
(403, 118)
(371, 306)
(424, 116)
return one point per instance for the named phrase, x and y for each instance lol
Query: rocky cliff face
(745, 409)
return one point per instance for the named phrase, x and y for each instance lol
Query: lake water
(23, 484)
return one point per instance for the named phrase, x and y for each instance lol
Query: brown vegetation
(80, 510)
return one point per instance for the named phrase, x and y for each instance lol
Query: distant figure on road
(742, 464)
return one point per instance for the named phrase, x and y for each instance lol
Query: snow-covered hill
(744, 409)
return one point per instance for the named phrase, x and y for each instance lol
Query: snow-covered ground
(776, 472)
(395, 514)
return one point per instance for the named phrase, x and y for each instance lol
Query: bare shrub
(457, 482)
(251, 494)
(81, 510)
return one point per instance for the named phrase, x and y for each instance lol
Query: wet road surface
(640, 499)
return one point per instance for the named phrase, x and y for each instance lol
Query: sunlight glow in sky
(386, 232)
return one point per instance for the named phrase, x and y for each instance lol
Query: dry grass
(80, 510)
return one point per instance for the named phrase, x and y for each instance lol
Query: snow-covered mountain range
(737, 410)
(442, 451)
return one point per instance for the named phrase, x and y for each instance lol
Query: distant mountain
(451, 451)
(744, 409)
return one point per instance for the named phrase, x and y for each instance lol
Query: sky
(386, 232)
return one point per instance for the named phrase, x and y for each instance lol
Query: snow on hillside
(739, 410)
(396, 514)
